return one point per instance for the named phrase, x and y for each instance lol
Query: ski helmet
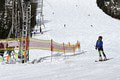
(100, 37)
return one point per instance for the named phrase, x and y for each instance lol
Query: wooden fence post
(74, 49)
(78, 45)
(51, 48)
(64, 48)
(69, 44)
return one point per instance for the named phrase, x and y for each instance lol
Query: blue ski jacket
(99, 44)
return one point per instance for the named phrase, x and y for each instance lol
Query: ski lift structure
(21, 23)
(40, 18)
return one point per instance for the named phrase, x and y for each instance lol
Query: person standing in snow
(99, 47)
(9, 49)
(2, 50)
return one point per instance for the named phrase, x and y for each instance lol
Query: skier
(41, 30)
(99, 46)
(10, 49)
(2, 50)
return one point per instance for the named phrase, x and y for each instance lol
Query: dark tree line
(4, 30)
(110, 7)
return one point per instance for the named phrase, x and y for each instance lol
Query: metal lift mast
(21, 23)
(26, 11)
(40, 15)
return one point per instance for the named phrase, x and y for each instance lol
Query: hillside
(69, 21)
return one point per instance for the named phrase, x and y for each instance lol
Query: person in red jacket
(2, 49)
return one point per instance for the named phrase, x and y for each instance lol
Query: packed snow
(69, 21)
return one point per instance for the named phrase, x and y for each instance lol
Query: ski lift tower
(21, 23)
(40, 21)
(26, 12)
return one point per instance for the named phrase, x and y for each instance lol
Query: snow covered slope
(83, 21)
(69, 21)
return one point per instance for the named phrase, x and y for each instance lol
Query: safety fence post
(64, 48)
(51, 48)
(78, 46)
(69, 44)
(74, 49)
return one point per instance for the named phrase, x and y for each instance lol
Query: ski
(103, 60)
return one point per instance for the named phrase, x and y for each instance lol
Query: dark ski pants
(101, 52)
(2, 54)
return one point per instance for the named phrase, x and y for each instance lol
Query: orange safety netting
(43, 45)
